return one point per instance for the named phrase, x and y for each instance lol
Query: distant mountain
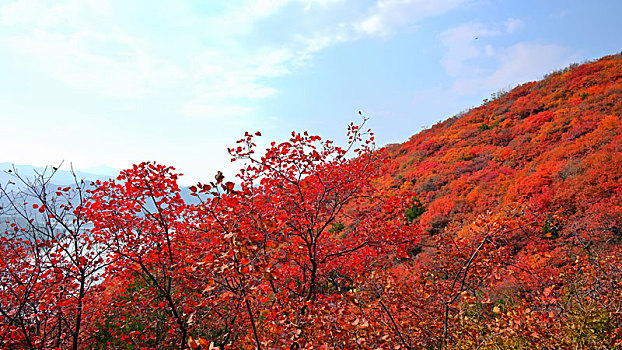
(61, 177)
(64, 177)
(102, 170)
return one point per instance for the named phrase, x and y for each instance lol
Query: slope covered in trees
(548, 151)
(499, 228)
(553, 144)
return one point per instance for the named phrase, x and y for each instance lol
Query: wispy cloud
(465, 43)
(83, 44)
(479, 65)
(126, 69)
(47, 14)
(513, 25)
(388, 16)
(74, 43)
(223, 83)
(516, 64)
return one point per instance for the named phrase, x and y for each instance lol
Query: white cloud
(383, 19)
(477, 66)
(263, 8)
(241, 18)
(489, 50)
(84, 60)
(561, 14)
(513, 25)
(463, 44)
(242, 78)
(225, 83)
(83, 44)
(517, 64)
(387, 16)
(52, 13)
(77, 42)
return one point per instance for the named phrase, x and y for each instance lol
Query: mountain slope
(554, 144)
(520, 202)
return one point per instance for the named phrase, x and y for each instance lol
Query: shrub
(415, 211)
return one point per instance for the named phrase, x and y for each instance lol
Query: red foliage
(497, 229)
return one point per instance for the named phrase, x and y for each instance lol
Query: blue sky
(104, 82)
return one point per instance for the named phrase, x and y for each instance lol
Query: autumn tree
(50, 264)
(296, 236)
(139, 218)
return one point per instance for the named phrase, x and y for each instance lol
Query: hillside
(553, 144)
(500, 228)
(546, 155)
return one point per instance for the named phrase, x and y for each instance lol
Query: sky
(112, 83)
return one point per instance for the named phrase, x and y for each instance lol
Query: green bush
(415, 211)
(337, 227)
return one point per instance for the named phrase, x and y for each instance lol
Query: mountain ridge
(61, 176)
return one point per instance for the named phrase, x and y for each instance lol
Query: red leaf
(204, 343)
(192, 343)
